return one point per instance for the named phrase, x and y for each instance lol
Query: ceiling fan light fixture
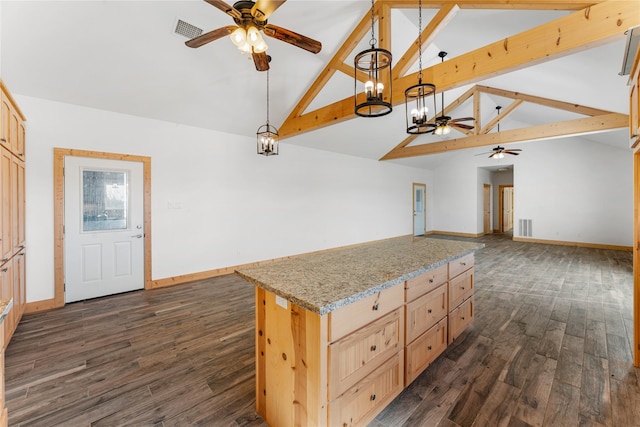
(376, 64)
(238, 37)
(442, 129)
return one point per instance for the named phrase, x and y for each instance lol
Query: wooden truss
(594, 23)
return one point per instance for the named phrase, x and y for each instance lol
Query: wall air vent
(185, 29)
(524, 228)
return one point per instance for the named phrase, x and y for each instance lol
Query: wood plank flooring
(551, 346)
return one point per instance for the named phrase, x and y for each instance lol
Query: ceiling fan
(445, 123)
(499, 152)
(251, 19)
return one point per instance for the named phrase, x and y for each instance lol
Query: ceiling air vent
(187, 30)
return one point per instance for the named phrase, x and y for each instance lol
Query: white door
(103, 223)
(419, 213)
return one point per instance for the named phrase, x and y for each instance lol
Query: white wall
(573, 189)
(235, 206)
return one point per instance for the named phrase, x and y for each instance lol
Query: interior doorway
(486, 209)
(505, 208)
(419, 209)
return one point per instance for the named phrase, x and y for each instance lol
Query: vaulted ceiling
(557, 62)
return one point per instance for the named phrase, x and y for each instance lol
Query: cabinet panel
(460, 288)
(423, 351)
(354, 316)
(6, 293)
(5, 117)
(426, 282)
(14, 204)
(461, 264)
(21, 204)
(19, 286)
(355, 356)
(360, 404)
(425, 312)
(5, 191)
(460, 318)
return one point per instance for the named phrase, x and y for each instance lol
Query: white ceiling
(123, 56)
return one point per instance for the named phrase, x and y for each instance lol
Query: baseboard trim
(454, 233)
(177, 280)
(42, 305)
(577, 244)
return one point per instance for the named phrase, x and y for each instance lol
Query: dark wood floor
(551, 346)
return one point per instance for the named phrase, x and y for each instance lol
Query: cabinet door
(634, 109)
(5, 191)
(5, 118)
(460, 288)
(21, 204)
(355, 356)
(19, 285)
(362, 402)
(423, 351)
(425, 312)
(21, 137)
(15, 236)
(461, 264)
(460, 318)
(6, 289)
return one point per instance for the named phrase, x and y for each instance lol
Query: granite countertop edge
(332, 306)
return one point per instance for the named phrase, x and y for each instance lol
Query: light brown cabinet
(12, 213)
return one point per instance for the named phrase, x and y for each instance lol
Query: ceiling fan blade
(513, 149)
(210, 36)
(482, 154)
(290, 37)
(509, 152)
(264, 8)
(261, 61)
(229, 10)
(462, 119)
(460, 125)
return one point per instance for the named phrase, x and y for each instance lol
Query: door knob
(138, 236)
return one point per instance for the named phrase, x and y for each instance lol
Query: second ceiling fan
(251, 19)
(445, 123)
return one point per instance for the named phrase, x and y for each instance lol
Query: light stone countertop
(325, 281)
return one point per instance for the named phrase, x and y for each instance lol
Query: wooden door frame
(636, 257)
(501, 206)
(484, 188)
(58, 212)
(413, 206)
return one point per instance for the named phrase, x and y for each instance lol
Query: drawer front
(355, 356)
(425, 282)
(461, 264)
(425, 312)
(460, 288)
(362, 402)
(354, 316)
(460, 318)
(423, 351)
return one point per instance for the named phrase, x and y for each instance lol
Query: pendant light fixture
(418, 97)
(376, 63)
(267, 134)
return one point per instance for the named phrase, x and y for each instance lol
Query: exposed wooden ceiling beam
(497, 4)
(593, 26)
(547, 131)
(505, 113)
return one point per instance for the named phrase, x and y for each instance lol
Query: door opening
(419, 209)
(487, 208)
(505, 208)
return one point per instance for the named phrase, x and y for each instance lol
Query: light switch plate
(282, 302)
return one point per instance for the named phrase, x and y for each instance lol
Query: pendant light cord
(420, 41)
(267, 98)
(373, 40)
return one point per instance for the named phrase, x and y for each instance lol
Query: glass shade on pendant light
(442, 129)
(267, 140)
(417, 99)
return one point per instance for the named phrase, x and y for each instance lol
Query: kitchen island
(340, 333)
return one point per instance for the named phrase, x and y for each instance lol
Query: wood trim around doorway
(58, 219)
(636, 257)
(501, 206)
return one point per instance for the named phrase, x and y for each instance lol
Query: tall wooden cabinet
(12, 213)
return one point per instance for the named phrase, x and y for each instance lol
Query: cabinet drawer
(425, 312)
(420, 353)
(362, 402)
(461, 264)
(354, 316)
(355, 356)
(425, 282)
(460, 318)
(460, 288)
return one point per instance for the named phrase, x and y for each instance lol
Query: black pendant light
(376, 63)
(267, 135)
(418, 97)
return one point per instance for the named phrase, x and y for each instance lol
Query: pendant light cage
(418, 98)
(267, 135)
(376, 64)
